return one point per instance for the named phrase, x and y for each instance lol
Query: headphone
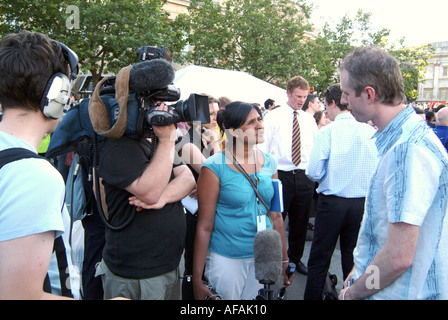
(56, 95)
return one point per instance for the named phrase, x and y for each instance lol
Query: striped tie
(296, 153)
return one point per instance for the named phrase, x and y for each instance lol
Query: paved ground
(297, 288)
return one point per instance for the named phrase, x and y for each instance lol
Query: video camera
(194, 109)
(150, 82)
(125, 104)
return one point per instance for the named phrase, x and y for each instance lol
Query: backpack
(14, 154)
(75, 133)
(74, 190)
(79, 189)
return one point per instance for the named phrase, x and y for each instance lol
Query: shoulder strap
(14, 154)
(63, 268)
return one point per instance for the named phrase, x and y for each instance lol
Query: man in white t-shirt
(34, 88)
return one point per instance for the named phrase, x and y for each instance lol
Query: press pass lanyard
(261, 218)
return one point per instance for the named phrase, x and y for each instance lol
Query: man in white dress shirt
(297, 188)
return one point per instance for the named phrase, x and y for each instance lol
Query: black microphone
(268, 256)
(151, 75)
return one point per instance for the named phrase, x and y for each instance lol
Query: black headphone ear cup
(55, 96)
(72, 60)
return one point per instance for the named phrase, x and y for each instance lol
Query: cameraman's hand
(165, 133)
(134, 201)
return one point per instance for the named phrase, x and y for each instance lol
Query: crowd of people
(380, 173)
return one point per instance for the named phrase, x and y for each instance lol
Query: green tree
(413, 62)
(261, 37)
(105, 34)
(327, 51)
(336, 41)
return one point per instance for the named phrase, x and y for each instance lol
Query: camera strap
(15, 154)
(98, 112)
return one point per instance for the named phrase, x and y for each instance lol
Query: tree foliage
(261, 37)
(108, 31)
(265, 39)
(413, 62)
(336, 41)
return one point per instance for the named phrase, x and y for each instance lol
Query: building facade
(176, 7)
(434, 87)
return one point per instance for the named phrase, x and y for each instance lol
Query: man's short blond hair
(297, 82)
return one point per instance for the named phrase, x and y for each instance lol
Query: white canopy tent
(236, 85)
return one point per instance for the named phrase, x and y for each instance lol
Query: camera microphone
(151, 75)
(268, 256)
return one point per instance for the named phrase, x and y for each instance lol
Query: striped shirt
(278, 136)
(409, 185)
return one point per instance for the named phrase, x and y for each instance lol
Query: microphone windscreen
(268, 256)
(151, 75)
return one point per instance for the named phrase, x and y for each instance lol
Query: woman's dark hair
(318, 116)
(235, 114)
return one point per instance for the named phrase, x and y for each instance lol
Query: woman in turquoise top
(229, 211)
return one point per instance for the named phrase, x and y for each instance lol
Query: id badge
(261, 222)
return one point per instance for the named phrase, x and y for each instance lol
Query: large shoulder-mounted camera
(194, 109)
(125, 104)
(133, 95)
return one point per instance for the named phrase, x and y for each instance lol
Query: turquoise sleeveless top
(237, 210)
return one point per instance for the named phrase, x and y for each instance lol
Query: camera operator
(140, 261)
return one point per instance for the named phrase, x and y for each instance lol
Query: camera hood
(195, 108)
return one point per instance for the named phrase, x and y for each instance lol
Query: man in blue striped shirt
(342, 160)
(402, 248)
